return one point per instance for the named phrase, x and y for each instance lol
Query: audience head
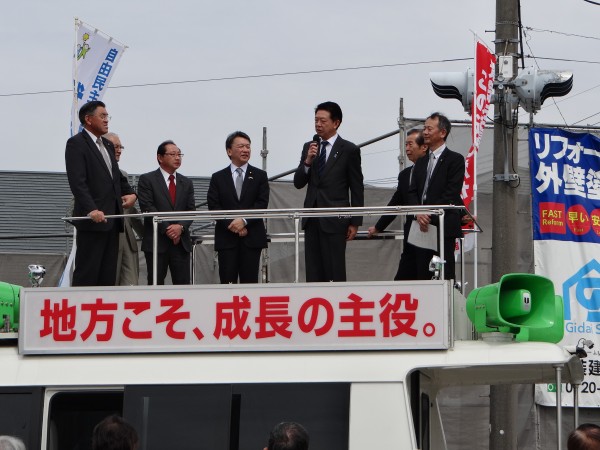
(11, 443)
(288, 436)
(113, 433)
(585, 437)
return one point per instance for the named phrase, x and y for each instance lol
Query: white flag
(95, 60)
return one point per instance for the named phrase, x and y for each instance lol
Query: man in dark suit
(443, 186)
(128, 263)
(415, 149)
(239, 242)
(331, 169)
(165, 190)
(99, 189)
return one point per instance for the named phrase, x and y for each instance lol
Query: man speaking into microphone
(330, 166)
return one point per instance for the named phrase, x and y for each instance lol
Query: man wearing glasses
(165, 190)
(99, 189)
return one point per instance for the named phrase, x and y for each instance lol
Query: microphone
(316, 138)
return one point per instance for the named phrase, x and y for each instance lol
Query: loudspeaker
(9, 307)
(520, 303)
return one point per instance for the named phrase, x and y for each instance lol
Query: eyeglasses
(175, 155)
(121, 147)
(101, 116)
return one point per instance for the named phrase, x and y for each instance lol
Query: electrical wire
(246, 77)
(538, 66)
(562, 33)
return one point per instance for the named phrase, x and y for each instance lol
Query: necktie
(239, 180)
(429, 170)
(172, 188)
(322, 157)
(104, 154)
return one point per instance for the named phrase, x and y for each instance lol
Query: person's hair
(232, 136)
(162, 148)
(113, 433)
(11, 443)
(334, 110)
(419, 140)
(89, 109)
(288, 436)
(443, 123)
(110, 134)
(585, 437)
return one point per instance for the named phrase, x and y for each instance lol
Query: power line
(246, 77)
(563, 59)
(585, 118)
(536, 63)
(562, 33)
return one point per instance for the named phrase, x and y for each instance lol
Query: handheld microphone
(316, 138)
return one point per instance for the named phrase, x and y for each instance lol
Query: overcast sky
(179, 40)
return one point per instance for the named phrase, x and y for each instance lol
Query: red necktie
(172, 189)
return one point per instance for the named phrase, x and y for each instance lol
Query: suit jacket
(340, 185)
(400, 198)
(445, 186)
(153, 196)
(91, 183)
(255, 195)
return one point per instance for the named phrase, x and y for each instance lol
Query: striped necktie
(322, 157)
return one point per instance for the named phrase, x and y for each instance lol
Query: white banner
(95, 60)
(576, 277)
(267, 317)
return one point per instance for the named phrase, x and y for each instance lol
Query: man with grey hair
(11, 443)
(128, 263)
(415, 149)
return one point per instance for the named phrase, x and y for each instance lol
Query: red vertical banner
(485, 62)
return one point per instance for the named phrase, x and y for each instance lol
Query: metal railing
(296, 215)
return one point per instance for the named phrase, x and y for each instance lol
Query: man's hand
(351, 232)
(236, 226)
(372, 232)
(97, 216)
(243, 232)
(174, 232)
(423, 220)
(313, 150)
(128, 200)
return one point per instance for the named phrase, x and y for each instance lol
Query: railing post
(154, 249)
(297, 249)
(559, 368)
(441, 245)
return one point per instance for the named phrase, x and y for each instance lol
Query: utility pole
(503, 398)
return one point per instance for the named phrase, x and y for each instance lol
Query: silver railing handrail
(295, 214)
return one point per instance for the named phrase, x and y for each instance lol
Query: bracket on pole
(506, 177)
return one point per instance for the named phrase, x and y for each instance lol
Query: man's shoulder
(405, 172)
(78, 138)
(452, 154)
(182, 177)
(149, 175)
(222, 172)
(256, 171)
(345, 143)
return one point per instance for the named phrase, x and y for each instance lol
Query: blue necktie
(322, 157)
